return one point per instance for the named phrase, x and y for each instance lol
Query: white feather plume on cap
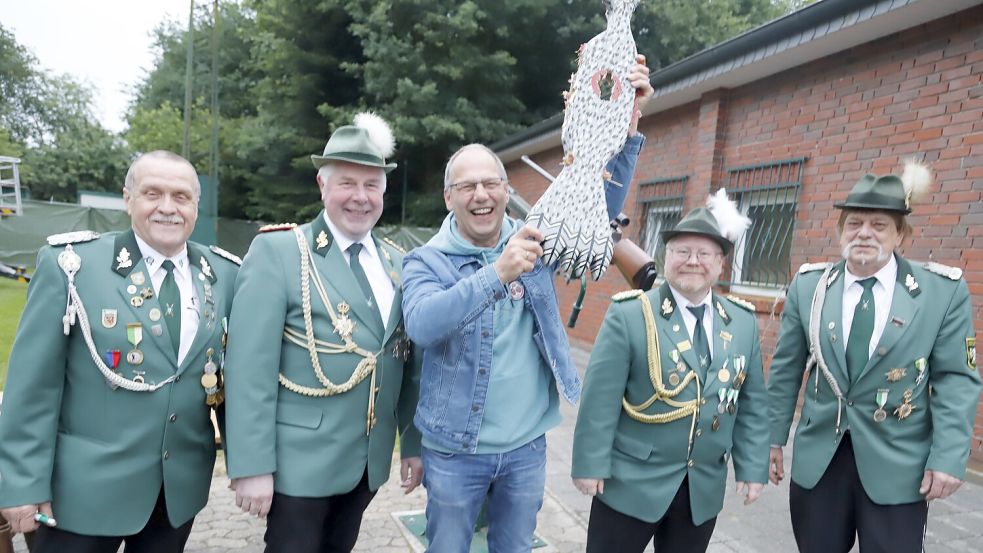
(732, 224)
(379, 132)
(916, 178)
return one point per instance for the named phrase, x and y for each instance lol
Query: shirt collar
(683, 302)
(154, 259)
(344, 241)
(886, 275)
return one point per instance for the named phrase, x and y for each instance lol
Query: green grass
(13, 294)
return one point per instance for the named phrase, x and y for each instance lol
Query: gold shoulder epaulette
(72, 237)
(741, 302)
(952, 273)
(392, 243)
(276, 226)
(809, 267)
(627, 295)
(227, 255)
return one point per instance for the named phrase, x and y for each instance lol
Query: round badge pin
(155, 314)
(516, 290)
(134, 357)
(131, 289)
(674, 379)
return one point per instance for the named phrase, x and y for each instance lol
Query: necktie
(858, 344)
(170, 299)
(700, 344)
(363, 281)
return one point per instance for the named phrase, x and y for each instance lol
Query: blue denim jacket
(447, 309)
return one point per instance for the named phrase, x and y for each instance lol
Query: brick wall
(917, 92)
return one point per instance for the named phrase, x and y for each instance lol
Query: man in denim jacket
(482, 306)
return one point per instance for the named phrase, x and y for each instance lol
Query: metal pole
(215, 108)
(190, 38)
(406, 171)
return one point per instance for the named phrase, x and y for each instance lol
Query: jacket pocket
(304, 416)
(632, 447)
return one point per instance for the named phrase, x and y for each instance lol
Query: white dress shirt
(883, 291)
(182, 277)
(375, 271)
(690, 320)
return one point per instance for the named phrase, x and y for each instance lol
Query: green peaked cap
(352, 144)
(873, 192)
(701, 222)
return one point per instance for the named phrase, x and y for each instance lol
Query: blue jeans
(457, 484)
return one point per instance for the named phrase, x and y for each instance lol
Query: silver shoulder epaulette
(809, 267)
(395, 246)
(741, 302)
(627, 295)
(952, 273)
(72, 237)
(227, 255)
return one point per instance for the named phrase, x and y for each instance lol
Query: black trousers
(611, 531)
(317, 524)
(829, 517)
(157, 536)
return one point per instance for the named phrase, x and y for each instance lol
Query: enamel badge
(109, 318)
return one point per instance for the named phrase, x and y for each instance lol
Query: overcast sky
(105, 43)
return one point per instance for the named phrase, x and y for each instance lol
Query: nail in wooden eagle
(572, 214)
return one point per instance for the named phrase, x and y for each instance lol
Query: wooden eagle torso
(572, 213)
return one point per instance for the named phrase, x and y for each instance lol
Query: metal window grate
(768, 194)
(661, 204)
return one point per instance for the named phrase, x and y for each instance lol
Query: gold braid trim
(683, 408)
(365, 367)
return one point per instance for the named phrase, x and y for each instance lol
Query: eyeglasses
(469, 187)
(683, 254)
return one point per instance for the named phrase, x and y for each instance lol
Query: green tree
(48, 121)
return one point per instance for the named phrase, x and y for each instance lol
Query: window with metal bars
(768, 194)
(661, 204)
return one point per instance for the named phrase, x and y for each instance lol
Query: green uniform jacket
(100, 455)
(314, 446)
(644, 464)
(929, 325)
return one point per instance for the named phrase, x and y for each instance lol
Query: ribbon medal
(880, 414)
(134, 335)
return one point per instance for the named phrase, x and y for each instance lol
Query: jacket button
(703, 401)
(482, 371)
(699, 432)
(850, 403)
(474, 408)
(173, 417)
(177, 378)
(485, 333)
(466, 444)
(167, 455)
(691, 463)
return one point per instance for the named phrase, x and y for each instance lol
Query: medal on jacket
(722, 404)
(732, 401)
(134, 334)
(921, 365)
(904, 410)
(516, 290)
(880, 414)
(111, 357)
(343, 325)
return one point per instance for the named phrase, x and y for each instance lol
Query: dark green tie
(700, 344)
(363, 281)
(170, 300)
(858, 344)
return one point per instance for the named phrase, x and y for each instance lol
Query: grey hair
(131, 174)
(462, 149)
(324, 173)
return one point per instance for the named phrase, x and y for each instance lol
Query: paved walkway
(955, 524)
